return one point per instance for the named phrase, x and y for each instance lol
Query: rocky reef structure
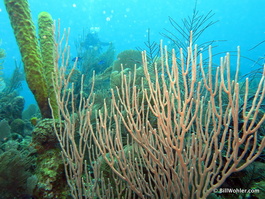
(38, 56)
(49, 167)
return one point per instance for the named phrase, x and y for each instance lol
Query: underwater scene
(132, 99)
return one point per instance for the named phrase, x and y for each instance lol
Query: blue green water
(125, 24)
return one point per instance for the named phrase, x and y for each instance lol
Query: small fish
(101, 62)
(77, 59)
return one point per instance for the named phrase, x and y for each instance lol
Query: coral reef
(128, 62)
(11, 107)
(15, 169)
(13, 84)
(38, 59)
(43, 137)
(5, 130)
(50, 173)
(50, 168)
(128, 59)
(31, 111)
(17, 126)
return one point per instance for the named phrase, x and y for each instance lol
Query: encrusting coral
(49, 167)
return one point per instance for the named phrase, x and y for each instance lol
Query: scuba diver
(92, 56)
(93, 42)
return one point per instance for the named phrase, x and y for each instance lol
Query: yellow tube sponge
(47, 46)
(25, 34)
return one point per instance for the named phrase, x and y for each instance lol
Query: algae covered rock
(43, 136)
(17, 126)
(51, 177)
(49, 167)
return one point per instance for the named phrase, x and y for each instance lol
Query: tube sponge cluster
(38, 59)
